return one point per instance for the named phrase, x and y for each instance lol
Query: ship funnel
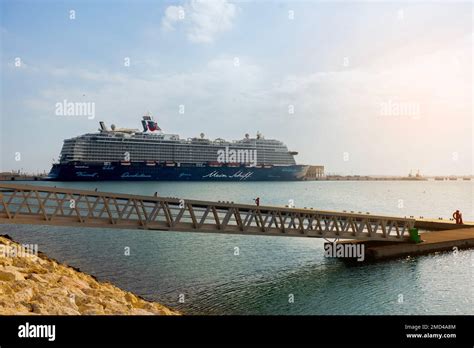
(103, 127)
(149, 124)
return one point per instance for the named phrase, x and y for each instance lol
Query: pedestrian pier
(28, 204)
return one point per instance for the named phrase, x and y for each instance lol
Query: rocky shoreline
(35, 284)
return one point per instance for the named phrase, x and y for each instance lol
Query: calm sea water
(203, 270)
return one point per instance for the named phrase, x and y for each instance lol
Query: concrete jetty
(428, 224)
(448, 240)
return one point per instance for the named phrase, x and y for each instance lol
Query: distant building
(12, 176)
(315, 173)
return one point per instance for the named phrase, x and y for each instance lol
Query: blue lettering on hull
(142, 172)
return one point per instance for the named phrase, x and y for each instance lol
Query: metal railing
(26, 204)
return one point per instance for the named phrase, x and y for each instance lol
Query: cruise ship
(151, 154)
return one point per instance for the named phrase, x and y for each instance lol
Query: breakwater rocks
(36, 284)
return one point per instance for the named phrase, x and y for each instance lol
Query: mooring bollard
(414, 235)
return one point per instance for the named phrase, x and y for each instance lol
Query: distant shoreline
(27, 177)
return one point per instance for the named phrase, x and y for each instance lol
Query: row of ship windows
(154, 146)
(182, 153)
(176, 160)
(163, 153)
(161, 150)
(179, 160)
(197, 142)
(155, 150)
(166, 158)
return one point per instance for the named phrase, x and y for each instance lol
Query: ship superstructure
(125, 153)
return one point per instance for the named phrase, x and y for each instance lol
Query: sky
(363, 88)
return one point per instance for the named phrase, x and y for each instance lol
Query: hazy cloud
(172, 15)
(204, 20)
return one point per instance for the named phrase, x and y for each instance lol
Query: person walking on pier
(257, 201)
(458, 217)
